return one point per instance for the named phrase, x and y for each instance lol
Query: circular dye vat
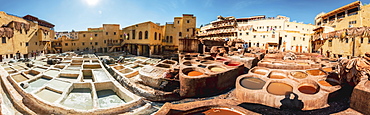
(252, 83)
(206, 62)
(298, 74)
(279, 88)
(315, 72)
(329, 82)
(307, 89)
(188, 58)
(277, 75)
(302, 63)
(195, 73)
(202, 66)
(220, 59)
(187, 63)
(260, 71)
(277, 63)
(232, 63)
(217, 69)
(216, 111)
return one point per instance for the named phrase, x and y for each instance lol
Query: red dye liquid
(233, 64)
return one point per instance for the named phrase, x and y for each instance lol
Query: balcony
(114, 44)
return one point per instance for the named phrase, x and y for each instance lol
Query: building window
(159, 36)
(66, 44)
(128, 36)
(114, 33)
(180, 34)
(140, 35)
(303, 39)
(170, 39)
(293, 38)
(368, 40)
(187, 30)
(286, 35)
(240, 33)
(84, 35)
(287, 25)
(35, 43)
(3, 39)
(247, 33)
(27, 43)
(96, 35)
(362, 40)
(146, 34)
(178, 22)
(296, 26)
(167, 39)
(155, 35)
(352, 22)
(330, 43)
(263, 36)
(254, 36)
(346, 40)
(187, 21)
(120, 36)
(105, 41)
(83, 43)
(96, 43)
(20, 44)
(133, 34)
(279, 26)
(90, 43)
(106, 33)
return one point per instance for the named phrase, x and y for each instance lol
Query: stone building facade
(24, 37)
(261, 31)
(104, 39)
(343, 32)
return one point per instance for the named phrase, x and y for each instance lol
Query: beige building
(24, 37)
(261, 31)
(104, 39)
(150, 38)
(343, 32)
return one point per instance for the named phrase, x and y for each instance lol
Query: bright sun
(92, 2)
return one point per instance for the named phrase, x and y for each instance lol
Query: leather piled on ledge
(353, 70)
(19, 25)
(6, 32)
(349, 32)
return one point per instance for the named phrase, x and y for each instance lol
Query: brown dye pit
(194, 73)
(188, 58)
(209, 58)
(169, 62)
(315, 72)
(260, 71)
(215, 111)
(252, 83)
(163, 66)
(277, 75)
(279, 88)
(277, 63)
(307, 89)
(298, 74)
(187, 63)
(206, 62)
(329, 82)
(329, 69)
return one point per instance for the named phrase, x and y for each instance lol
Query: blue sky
(82, 14)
